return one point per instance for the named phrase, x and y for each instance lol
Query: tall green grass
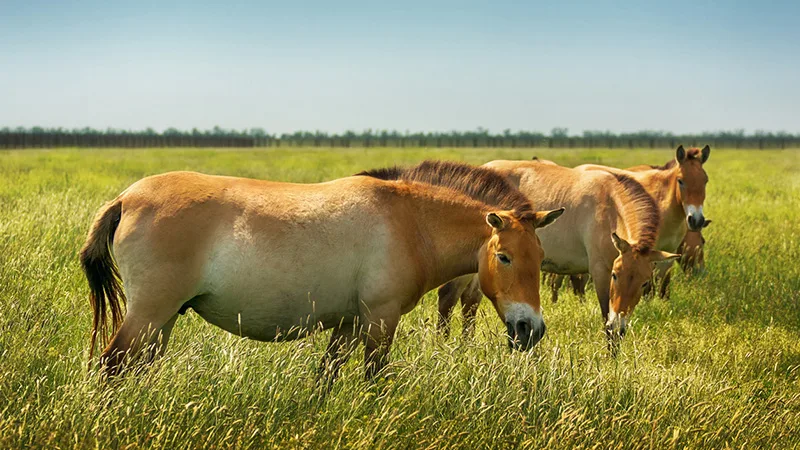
(717, 365)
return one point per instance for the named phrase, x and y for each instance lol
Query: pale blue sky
(680, 66)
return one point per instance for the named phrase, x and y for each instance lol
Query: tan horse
(691, 250)
(679, 189)
(275, 261)
(692, 255)
(609, 230)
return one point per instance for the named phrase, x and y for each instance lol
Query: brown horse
(609, 230)
(679, 189)
(691, 250)
(275, 261)
(692, 255)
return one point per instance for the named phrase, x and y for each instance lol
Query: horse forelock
(478, 183)
(640, 211)
(693, 153)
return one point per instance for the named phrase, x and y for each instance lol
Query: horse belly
(252, 292)
(272, 317)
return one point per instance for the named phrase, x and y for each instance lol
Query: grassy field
(717, 365)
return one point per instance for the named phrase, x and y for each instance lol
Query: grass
(718, 365)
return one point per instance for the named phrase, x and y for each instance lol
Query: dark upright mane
(478, 183)
(668, 165)
(645, 211)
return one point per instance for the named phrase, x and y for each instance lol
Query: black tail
(101, 272)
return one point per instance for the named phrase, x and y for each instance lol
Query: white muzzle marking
(617, 322)
(517, 312)
(692, 210)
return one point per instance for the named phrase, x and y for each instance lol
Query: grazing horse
(691, 250)
(276, 261)
(609, 230)
(692, 254)
(679, 189)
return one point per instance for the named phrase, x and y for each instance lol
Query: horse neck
(637, 220)
(662, 185)
(454, 235)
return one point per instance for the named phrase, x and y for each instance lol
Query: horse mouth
(524, 342)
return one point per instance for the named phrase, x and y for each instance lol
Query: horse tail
(98, 264)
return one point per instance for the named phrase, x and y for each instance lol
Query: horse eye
(503, 258)
(680, 182)
(613, 276)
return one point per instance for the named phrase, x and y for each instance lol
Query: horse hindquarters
(155, 298)
(143, 328)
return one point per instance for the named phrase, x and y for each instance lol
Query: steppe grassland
(717, 365)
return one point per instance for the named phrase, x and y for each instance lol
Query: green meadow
(715, 366)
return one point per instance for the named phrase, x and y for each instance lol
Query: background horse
(691, 250)
(275, 261)
(609, 230)
(679, 189)
(692, 255)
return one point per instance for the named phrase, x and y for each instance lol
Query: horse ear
(621, 244)
(544, 218)
(680, 154)
(706, 223)
(705, 153)
(657, 255)
(495, 221)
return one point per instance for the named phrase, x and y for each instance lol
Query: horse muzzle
(524, 334)
(695, 218)
(616, 327)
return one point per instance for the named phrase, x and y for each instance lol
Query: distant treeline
(38, 137)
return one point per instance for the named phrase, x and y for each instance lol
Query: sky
(678, 66)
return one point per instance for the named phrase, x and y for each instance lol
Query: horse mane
(667, 166)
(478, 183)
(636, 204)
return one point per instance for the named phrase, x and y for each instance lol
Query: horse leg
(663, 275)
(556, 281)
(141, 337)
(381, 324)
(449, 294)
(602, 279)
(344, 340)
(470, 301)
(579, 283)
(663, 290)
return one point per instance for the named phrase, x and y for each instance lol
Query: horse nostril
(510, 330)
(523, 330)
(690, 220)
